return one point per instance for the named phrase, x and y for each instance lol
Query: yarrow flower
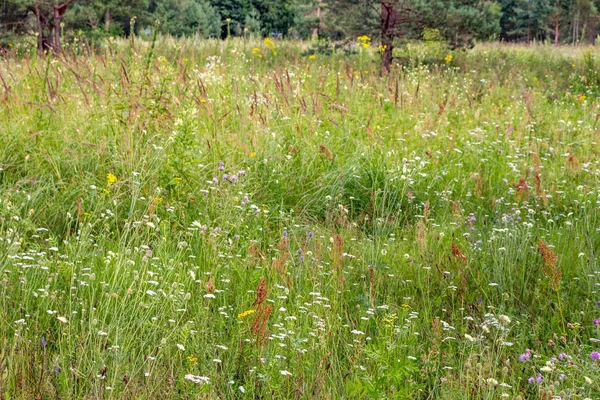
(197, 379)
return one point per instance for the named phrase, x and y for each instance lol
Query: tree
(186, 17)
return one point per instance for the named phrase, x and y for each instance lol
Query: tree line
(459, 22)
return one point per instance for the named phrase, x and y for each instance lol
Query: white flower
(209, 296)
(197, 379)
(197, 224)
(588, 380)
(492, 381)
(505, 319)
(102, 333)
(546, 369)
(241, 389)
(284, 372)
(356, 332)
(180, 347)
(151, 225)
(63, 320)
(469, 337)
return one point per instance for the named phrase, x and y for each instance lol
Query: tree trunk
(389, 18)
(107, 20)
(57, 19)
(38, 20)
(556, 30)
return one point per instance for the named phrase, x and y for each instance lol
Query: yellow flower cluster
(364, 41)
(111, 178)
(448, 58)
(270, 44)
(192, 359)
(245, 314)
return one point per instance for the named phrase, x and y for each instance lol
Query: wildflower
(581, 98)
(245, 314)
(594, 355)
(524, 357)
(588, 380)
(312, 57)
(197, 379)
(382, 48)
(448, 58)
(111, 178)
(284, 373)
(596, 322)
(364, 41)
(269, 43)
(62, 319)
(192, 359)
(221, 166)
(180, 347)
(563, 356)
(492, 381)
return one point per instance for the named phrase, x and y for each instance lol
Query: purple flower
(225, 176)
(43, 342)
(539, 378)
(57, 370)
(221, 165)
(531, 380)
(233, 178)
(563, 356)
(524, 357)
(596, 321)
(237, 237)
(242, 172)
(215, 181)
(562, 377)
(284, 234)
(310, 235)
(594, 355)
(598, 303)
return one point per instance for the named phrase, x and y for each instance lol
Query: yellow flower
(111, 178)
(255, 51)
(269, 43)
(365, 41)
(192, 359)
(382, 47)
(581, 98)
(448, 58)
(312, 56)
(245, 314)
(253, 154)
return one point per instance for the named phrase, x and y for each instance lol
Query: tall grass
(200, 219)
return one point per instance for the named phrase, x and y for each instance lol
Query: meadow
(246, 219)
